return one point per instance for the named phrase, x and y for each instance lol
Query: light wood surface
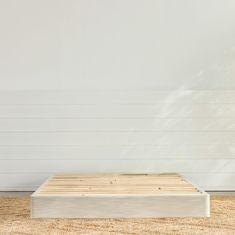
(117, 184)
(118, 195)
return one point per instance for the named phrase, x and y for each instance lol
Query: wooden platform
(118, 195)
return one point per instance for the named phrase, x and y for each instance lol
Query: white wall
(117, 85)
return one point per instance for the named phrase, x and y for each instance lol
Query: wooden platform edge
(34, 194)
(119, 205)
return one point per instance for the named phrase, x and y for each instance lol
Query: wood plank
(116, 124)
(110, 165)
(174, 110)
(118, 138)
(122, 152)
(115, 96)
(116, 183)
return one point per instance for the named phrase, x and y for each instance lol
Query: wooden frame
(118, 195)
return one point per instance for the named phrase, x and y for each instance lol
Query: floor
(15, 219)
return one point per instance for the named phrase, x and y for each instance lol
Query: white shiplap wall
(117, 85)
(190, 132)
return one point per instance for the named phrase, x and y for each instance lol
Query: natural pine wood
(116, 184)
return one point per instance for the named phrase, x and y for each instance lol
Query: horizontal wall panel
(117, 85)
(31, 181)
(151, 124)
(212, 181)
(177, 110)
(115, 96)
(117, 138)
(22, 182)
(54, 166)
(106, 152)
(42, 132)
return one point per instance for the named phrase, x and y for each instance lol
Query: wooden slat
(117, 138)
(49, 97)
(166, 152)
(83, 165)
(173, 110)
(116, 124)
(73, 183)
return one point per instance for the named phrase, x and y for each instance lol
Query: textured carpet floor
(15, 219)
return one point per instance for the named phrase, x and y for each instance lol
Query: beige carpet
(14, 219)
